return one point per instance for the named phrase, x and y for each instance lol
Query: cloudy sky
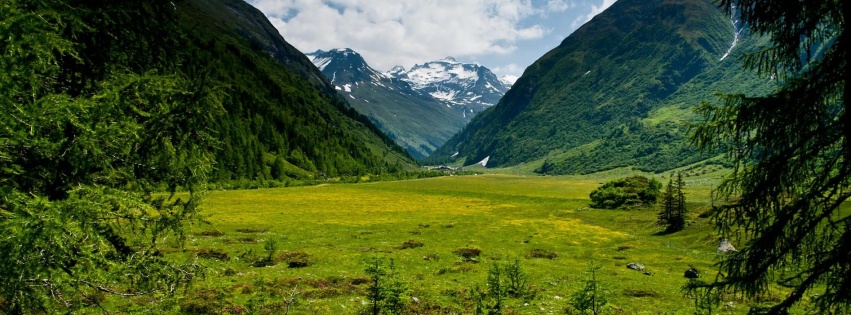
(504, 35)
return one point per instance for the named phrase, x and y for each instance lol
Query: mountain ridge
(595, 102)
(415, 120)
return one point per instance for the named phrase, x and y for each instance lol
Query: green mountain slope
(284, 119)
(415, 120)
(614, 93)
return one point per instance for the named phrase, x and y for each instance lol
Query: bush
(630, 192)
(298, 259)
(468, 253)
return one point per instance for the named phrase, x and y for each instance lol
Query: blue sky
(504, 35)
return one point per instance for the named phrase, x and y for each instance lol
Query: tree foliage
(672, 214)
(635, 191)
(792, 154)
(92, 121)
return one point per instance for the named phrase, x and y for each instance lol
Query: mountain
(283, 118)
(471, 88)
(415, 120)
(617, 92)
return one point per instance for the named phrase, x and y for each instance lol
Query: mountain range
(284, 119)
(419, 108)
(618, 92)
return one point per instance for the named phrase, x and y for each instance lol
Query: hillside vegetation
(281, 112)
(617, 92)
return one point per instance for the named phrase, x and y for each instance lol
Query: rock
(635, 266)
(692, 273)
(726, 247)
(647, 273)
(415, 299)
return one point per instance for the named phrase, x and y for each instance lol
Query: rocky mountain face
(416, 120)
(469, 87)
(618, 92)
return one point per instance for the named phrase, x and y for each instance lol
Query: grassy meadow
(334, 229)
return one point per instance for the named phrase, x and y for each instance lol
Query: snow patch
(736, 31)
(454, 155)
(321, 63)
(484, 162)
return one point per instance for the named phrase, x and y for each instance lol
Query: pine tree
(673, 214)
(92, 122)
(792, 156)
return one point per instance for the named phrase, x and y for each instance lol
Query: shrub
(468, 253)
(630, 192)
(297, 259)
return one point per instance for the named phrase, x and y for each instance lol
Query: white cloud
(509, 69)
(559, 5)
(397, 32)
(580, 20)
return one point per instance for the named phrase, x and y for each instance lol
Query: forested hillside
(284, 120)
(617, 92)
(106, 104)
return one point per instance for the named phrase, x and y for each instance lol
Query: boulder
(726, 247)
(635, 266)
(692, 273)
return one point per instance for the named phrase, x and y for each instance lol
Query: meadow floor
(336, 228)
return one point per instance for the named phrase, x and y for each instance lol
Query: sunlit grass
(506, 216)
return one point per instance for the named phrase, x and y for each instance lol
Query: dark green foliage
(792, 155)
(672, 212)
(385, 292)
(283, 119)
(630, 192)
(297, 259)
(591, 299)
(95, 115)
(468, 253)
(615, 93)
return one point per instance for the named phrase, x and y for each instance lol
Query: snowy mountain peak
(467, 85)
(345, 67)
(395, 71)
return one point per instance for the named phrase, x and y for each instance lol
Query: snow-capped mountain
(471, 87)
(414, 119)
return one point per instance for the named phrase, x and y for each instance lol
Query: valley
(338, 228)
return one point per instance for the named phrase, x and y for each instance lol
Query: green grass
(506, 216)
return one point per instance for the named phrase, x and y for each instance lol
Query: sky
(503, 35)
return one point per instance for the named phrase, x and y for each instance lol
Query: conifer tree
(92, 122)
(672, 214)
(792, 155)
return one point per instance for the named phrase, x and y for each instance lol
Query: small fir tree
(672, 214)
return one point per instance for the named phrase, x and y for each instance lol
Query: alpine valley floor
(335, 229)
